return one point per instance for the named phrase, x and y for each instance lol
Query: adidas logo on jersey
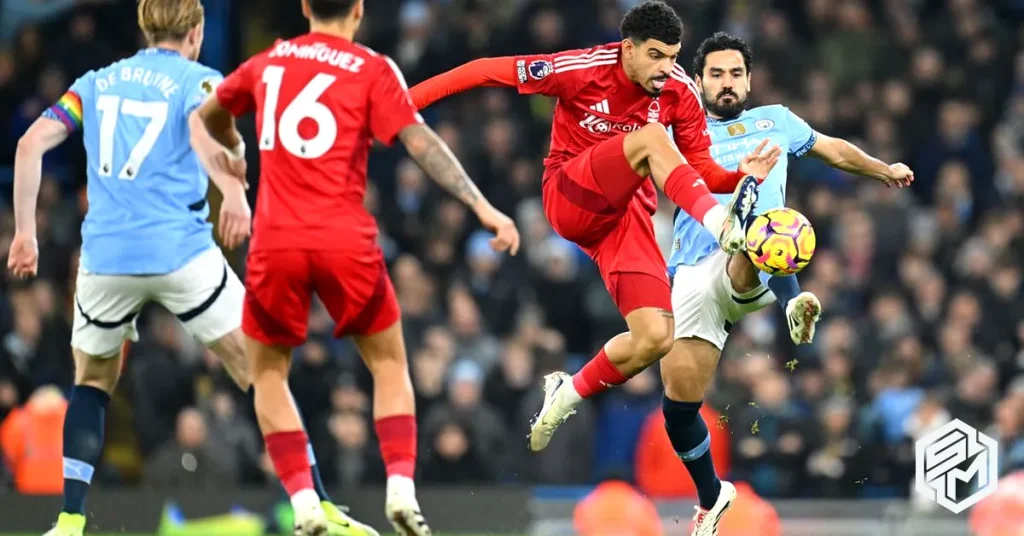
(601, 107)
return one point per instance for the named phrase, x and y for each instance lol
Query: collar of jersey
(714, 121)
(161, 51)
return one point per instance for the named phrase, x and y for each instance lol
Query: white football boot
(802, 313)
(310, 519)
(403, 510)
(733, 236)
(560, 401)
(706, 521)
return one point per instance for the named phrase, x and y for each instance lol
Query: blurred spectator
(31, 441)
(192, 460)
(614, 508)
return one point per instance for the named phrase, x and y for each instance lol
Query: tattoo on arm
(437, 161)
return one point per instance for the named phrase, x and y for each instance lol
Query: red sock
(597, 376)
(686, 189)
(397, 437)
(291, 461)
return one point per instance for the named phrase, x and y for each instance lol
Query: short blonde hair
(164, 20)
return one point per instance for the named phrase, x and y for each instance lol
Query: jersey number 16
(304, 106)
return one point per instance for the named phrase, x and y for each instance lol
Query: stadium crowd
(923, 289)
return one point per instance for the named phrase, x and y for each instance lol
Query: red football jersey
(596, 101)
(319, 100)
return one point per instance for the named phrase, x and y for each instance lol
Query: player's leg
(105, 311)
(274, 317)
(803, 310)
(395, 422)
(651, 150)
(707, 299)
(701, 328)
(634, 271)
(686, 373)
(208, 298)
(359, 296)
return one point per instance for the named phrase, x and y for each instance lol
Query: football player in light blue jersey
(145, 237)
(711, 290)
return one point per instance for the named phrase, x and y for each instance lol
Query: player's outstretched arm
(846, 156)
(483, 72)
(42, 136)
(438, 162)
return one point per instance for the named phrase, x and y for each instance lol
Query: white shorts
(205, 295)
(704, 303)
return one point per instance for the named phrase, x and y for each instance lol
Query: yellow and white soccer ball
(781, 242)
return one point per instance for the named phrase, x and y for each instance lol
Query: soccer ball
(780, 242)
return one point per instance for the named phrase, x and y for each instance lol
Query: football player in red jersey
(608, 135)
(320, 99)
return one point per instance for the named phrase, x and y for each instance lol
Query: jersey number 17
(111, 108)
(305, 105)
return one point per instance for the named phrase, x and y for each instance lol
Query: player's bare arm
(220, 125)
(222, 152)
(438, 162)
(42, 136)
(846, 156)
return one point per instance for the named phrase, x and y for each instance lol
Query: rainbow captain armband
(67, 110)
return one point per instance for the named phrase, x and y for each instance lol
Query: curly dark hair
(331, 9)
(653, 19)
(716, 43)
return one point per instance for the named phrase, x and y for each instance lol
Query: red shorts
(620, 238)
(279, 285)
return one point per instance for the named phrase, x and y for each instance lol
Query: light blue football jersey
(731, 140)
(147, 189)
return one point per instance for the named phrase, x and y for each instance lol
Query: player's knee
(654, 341)
(743, 274)
(386, 363)
(687, 370)
(655, 133)
(98, 371)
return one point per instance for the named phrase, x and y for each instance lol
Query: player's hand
(506, 235)
(899, 176)
(23, 257)
(235, 222)
(760, 163)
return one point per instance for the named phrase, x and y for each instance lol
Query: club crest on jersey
(208, 85)
(541, 68)
(521, 71)
(737, 130)
(764, 124)
(653, 112)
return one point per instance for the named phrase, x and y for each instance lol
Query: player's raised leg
(635, 278)
(651, 150)
(803, 310)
